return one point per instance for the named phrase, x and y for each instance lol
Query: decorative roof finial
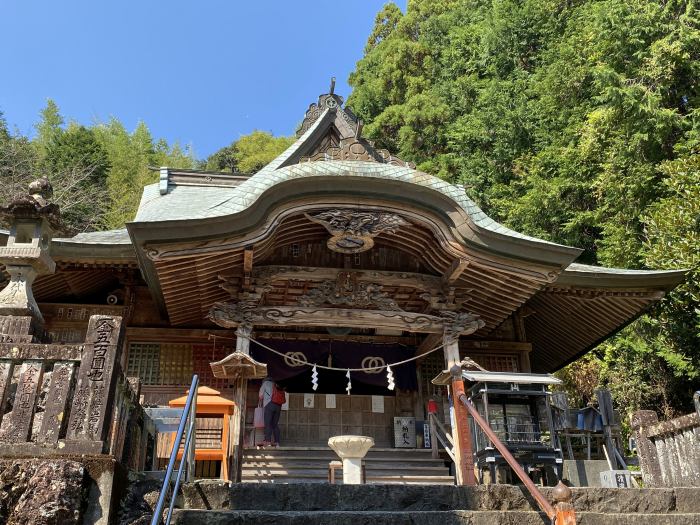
(332, 85)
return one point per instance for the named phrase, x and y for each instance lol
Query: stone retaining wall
(669, 451)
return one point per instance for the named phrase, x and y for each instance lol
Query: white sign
(330, 400)
(378, 404)
(426, 435)
(616, 479)
(308, 400)
(286, 403)
(405, 432)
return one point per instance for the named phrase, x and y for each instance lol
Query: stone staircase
(310, 465)
(218, 503)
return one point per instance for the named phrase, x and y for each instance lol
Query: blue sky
(199, 72)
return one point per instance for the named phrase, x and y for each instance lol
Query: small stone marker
(92, 402)
(5, 378)
(55, 412)
(20, 426)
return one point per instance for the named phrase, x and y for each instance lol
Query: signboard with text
(405, 432)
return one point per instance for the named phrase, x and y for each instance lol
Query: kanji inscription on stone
(92, 404)
(20, 425)
(5, 378)
(55, 413)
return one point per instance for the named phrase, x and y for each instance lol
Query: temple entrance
(310, 418)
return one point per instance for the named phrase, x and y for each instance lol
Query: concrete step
(326, 451)
(454, 517)
(310, 464)
(332, 457)
(369, 466)
(312, 476)
(323, 473)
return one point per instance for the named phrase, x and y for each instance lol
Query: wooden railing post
(462, 435)
(433, 437)
(565, 514)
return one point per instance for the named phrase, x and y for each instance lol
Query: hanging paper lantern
(349, 387)
(314, 378)
(390, 378)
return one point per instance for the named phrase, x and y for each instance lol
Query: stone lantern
(32, 219)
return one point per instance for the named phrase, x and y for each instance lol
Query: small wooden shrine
(214, 417)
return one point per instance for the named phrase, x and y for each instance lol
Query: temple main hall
(336, 254)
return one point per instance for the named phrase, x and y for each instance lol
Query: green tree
(132, 157)
(249, 153)
(222, 160)
(48, 128)
(77, 164)
(569, 121)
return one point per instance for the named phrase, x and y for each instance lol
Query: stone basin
(351, 446)
(351, 449)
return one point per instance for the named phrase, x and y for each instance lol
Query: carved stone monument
(92, 402)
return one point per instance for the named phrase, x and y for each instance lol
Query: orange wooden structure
(212, 411)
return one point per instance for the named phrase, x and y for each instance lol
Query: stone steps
(453, 517)
(310, 465)
(331, 457)
(216, 502)
(282, 466)
(326, 452)
(219, 495)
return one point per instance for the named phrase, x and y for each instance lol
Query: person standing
(272, 397)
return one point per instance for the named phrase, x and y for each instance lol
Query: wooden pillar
(464, 456)
(240, 390)
(226, 446)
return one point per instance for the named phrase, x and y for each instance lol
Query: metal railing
(440, 434)
(563, 514)
(187, 424)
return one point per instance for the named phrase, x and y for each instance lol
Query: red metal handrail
(563, 514)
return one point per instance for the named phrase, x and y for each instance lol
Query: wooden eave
(212, 239)
(492, 288)
(564, 324)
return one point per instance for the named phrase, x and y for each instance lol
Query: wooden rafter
(430, 342)
(247, 268)
(454, 271)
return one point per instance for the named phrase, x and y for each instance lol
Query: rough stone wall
(669, 451)
(41, 492)
(139, 502)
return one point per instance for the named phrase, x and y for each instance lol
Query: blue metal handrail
(187, 419)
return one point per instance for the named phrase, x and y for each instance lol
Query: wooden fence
(669, 452)
(69, 399)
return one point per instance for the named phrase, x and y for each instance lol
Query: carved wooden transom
(352, 230)
(347, 290)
